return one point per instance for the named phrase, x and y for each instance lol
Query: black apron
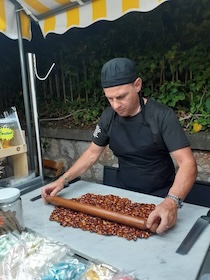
(143, 167)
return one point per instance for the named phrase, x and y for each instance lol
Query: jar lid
(8, 195)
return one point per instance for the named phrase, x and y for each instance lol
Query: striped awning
(58, 16)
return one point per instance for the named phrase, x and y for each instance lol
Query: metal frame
(37, 181)
(25, 89)
(18, 9)
(58, 10)
(32, 79)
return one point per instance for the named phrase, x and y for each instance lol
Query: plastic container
(11, 213)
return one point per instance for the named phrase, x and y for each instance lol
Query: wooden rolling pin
(117, 217)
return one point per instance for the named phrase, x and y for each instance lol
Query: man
(143, 134)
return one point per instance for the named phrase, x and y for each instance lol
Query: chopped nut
(68, 217)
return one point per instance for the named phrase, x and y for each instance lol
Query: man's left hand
(165, 213)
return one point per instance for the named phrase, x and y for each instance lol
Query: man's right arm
(86, 160)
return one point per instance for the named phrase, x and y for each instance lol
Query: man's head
(121, 85)
(118, 71)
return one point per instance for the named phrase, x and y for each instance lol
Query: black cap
(118, 71)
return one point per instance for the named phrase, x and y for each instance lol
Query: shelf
(19, 158)
(13, 150)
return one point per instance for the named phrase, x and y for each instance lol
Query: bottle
(11, 212)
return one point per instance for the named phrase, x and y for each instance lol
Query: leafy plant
(45, 144)
(171, 46)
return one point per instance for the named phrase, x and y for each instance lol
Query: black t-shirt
(143, 145)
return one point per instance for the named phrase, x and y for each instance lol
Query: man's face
(124, 99)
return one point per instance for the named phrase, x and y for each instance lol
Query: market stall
(151, 258)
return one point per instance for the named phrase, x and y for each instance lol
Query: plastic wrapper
(71, 269)
(12, 267)
(31, 256)
(9, 129)
(48, 253)
(122, 275)
(99, 272)
(7, 241)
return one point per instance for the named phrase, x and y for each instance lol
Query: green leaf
(207, 103)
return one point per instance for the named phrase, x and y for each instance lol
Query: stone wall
(67, 145)
(203, 163)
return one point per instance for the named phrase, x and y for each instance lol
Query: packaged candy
(99, 272)
(121, 275)
(70, 269)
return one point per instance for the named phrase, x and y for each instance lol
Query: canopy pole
(31, 65)
(25, 91)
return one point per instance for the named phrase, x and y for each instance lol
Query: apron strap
(143, 111)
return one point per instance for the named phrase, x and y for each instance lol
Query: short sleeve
(100, 135)
(172, 132)
(165, 123)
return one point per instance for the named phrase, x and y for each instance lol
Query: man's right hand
(53, 188)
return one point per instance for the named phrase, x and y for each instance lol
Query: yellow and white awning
(58, 16)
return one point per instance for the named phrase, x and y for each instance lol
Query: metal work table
(152, 259)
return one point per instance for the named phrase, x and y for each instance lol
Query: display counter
(154, 258)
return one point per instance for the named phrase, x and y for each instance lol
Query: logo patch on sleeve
(97, 131)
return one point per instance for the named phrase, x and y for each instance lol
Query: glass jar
(11, 213)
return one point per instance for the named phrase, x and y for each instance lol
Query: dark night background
(137, 35)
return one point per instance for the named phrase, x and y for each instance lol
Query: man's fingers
(162, 228)
(53, 193)
(154, 227)
(153, 223)
(153, 218)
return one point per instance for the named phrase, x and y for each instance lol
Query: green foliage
(45, 144)
(171, 46)
(88, 116)
(171, 93)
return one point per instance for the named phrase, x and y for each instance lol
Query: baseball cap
(118, 71)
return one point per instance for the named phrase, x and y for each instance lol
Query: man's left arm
(186, 174)
(166, 212)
